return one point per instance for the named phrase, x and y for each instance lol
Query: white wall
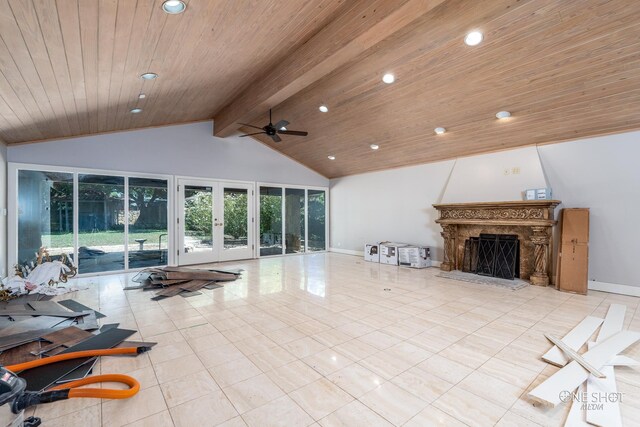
(187, 150)
(3, 206)
(602, 174)
(495, 177)
(598, 173)
(388, 205)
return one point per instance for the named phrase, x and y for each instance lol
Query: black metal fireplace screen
(496, 255)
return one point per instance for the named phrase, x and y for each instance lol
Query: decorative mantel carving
(532, 220)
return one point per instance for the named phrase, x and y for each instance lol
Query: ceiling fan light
(331, 157)
(501, 115)
(474, 38)
(439, 130)
(174, 7)
(323, 108)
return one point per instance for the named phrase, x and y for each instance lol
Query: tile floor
(316, 340)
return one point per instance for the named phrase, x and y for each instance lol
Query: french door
(215, 221)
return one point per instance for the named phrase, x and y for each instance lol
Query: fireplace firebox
(496, 255)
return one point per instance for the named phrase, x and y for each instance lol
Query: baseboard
(435, 263)
(614, 288)
(347, 252)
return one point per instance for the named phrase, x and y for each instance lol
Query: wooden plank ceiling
(564, 68)
(71, 67)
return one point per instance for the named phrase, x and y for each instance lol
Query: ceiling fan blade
(276, 138)
(251, 134)
(251, 126)
(293, 132)
(281, 124)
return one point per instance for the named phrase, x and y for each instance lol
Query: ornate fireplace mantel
(532, 220)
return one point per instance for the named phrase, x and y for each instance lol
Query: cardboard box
(414, 256)
(389, 252)
(372, 252)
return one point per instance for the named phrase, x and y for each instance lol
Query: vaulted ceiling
(563, 68)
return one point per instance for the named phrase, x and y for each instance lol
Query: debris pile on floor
(32, 330)
(171, 281)
(587, 381)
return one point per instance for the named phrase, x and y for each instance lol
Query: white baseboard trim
(347, 252)
(435, 263)
(614, 288)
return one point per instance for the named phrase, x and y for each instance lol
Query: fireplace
(527, 223)
(496, 255)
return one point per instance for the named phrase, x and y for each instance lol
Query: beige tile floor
(316, 340)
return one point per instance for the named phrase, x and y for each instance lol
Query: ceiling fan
(273, 130)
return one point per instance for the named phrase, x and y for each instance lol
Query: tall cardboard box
(372, 252)
(414, 256)
(573, 268)
(389, 252)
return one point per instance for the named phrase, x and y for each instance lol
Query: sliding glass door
(45, 213)
(292, 220)
(103, 222)
(316, 220)
(101, 218)
(148, 242)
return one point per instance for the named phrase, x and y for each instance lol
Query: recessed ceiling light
(439, 131)
(374, 146)
(503, 115)
(331, 157)
(283, 128)
(142, 96)
(136, 110)
(174, 7)
(473, 38)
(148, 76)
(388, 78)
(323, 108)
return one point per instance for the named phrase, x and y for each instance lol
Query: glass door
(215, 221)
(195, 222)
(235, 221)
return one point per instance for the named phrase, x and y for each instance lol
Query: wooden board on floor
(602, 409)
(613, 322)
(572, 375)
(575, 339)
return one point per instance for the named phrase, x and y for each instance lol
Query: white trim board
(614, 288)
(347, 252)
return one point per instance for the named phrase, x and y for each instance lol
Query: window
(148, 241)
(316, 214)
(103, 222)
(292, 220)
(101, 218)
(270, 221)
(45, 213)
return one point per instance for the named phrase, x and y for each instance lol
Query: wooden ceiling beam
(362, 25)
